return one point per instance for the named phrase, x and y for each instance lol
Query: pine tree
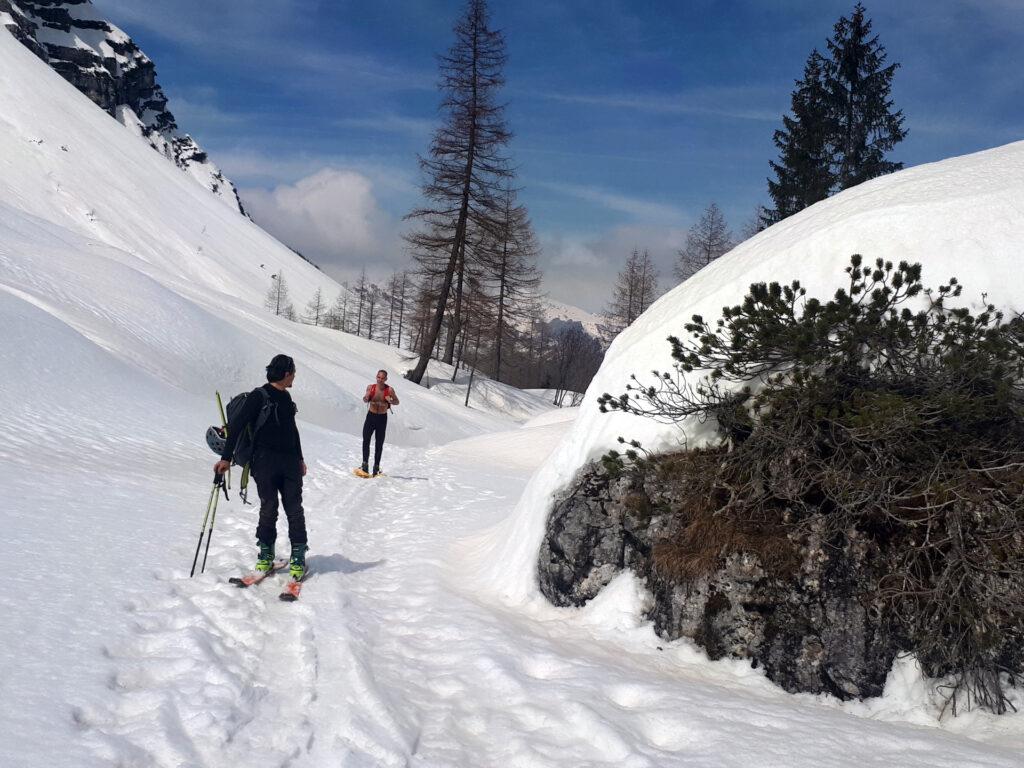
(464, 171)
(401, 296)
(753, 225)
(707, 239)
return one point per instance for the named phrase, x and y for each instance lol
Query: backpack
(246, 444)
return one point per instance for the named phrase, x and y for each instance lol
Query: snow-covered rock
(961, 217)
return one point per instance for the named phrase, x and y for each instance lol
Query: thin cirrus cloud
(718, 103)
(636, 208)
(415, 127)
(264, 32)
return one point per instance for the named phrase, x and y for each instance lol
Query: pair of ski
(291, 590)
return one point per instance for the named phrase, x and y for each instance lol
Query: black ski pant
(375, 424)
(279, 474)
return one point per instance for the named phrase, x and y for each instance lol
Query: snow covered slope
(105, 64)
(128, 295)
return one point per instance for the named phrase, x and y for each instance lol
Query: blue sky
(629, 117)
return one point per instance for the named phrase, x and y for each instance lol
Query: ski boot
(265, 561)
(376, 472)
(363, 471)
(297, 563)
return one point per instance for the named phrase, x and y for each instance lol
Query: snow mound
(962, 217)
(494, 397)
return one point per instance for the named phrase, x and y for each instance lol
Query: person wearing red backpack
(379, 398)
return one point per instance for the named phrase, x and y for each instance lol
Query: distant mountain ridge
(559, 315)
(103, 62)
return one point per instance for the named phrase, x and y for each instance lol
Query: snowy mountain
(559, 315)
(103, 63)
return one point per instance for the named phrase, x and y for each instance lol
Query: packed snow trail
(392, 659)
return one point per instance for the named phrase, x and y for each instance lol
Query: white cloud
(581, 269)
(333, 218)
(252, 168)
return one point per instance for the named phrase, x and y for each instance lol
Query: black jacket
(279, 434)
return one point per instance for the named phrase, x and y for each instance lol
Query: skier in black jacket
(277, 463)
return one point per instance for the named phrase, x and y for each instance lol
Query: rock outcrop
(102, 62)
(816, 630)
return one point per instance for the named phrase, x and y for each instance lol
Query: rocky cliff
(102, 62)
(818, 629)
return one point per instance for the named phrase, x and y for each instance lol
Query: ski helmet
(216, 440)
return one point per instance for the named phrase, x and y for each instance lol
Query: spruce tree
(803, 175)
(843, 121)
(858, 84)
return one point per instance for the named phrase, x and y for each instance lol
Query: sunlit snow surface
(127, 296)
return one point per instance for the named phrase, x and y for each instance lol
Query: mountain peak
(103, 62)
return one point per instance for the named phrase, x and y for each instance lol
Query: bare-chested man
(379, 398)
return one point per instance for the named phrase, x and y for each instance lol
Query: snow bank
(494, 397)
(962, 217)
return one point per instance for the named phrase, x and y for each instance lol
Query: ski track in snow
(387, 660)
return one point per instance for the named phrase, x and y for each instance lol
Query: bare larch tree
(635, 290)
(511, 262)
(464, 170)
(708, 239)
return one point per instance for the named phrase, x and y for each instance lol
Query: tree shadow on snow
(337, 564)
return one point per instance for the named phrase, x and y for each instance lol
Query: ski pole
(213, 518)
(211, 506)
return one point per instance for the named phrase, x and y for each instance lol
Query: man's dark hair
(384, 372)
(280, 367)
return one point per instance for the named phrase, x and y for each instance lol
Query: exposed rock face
(817, 631)
(103, 63)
